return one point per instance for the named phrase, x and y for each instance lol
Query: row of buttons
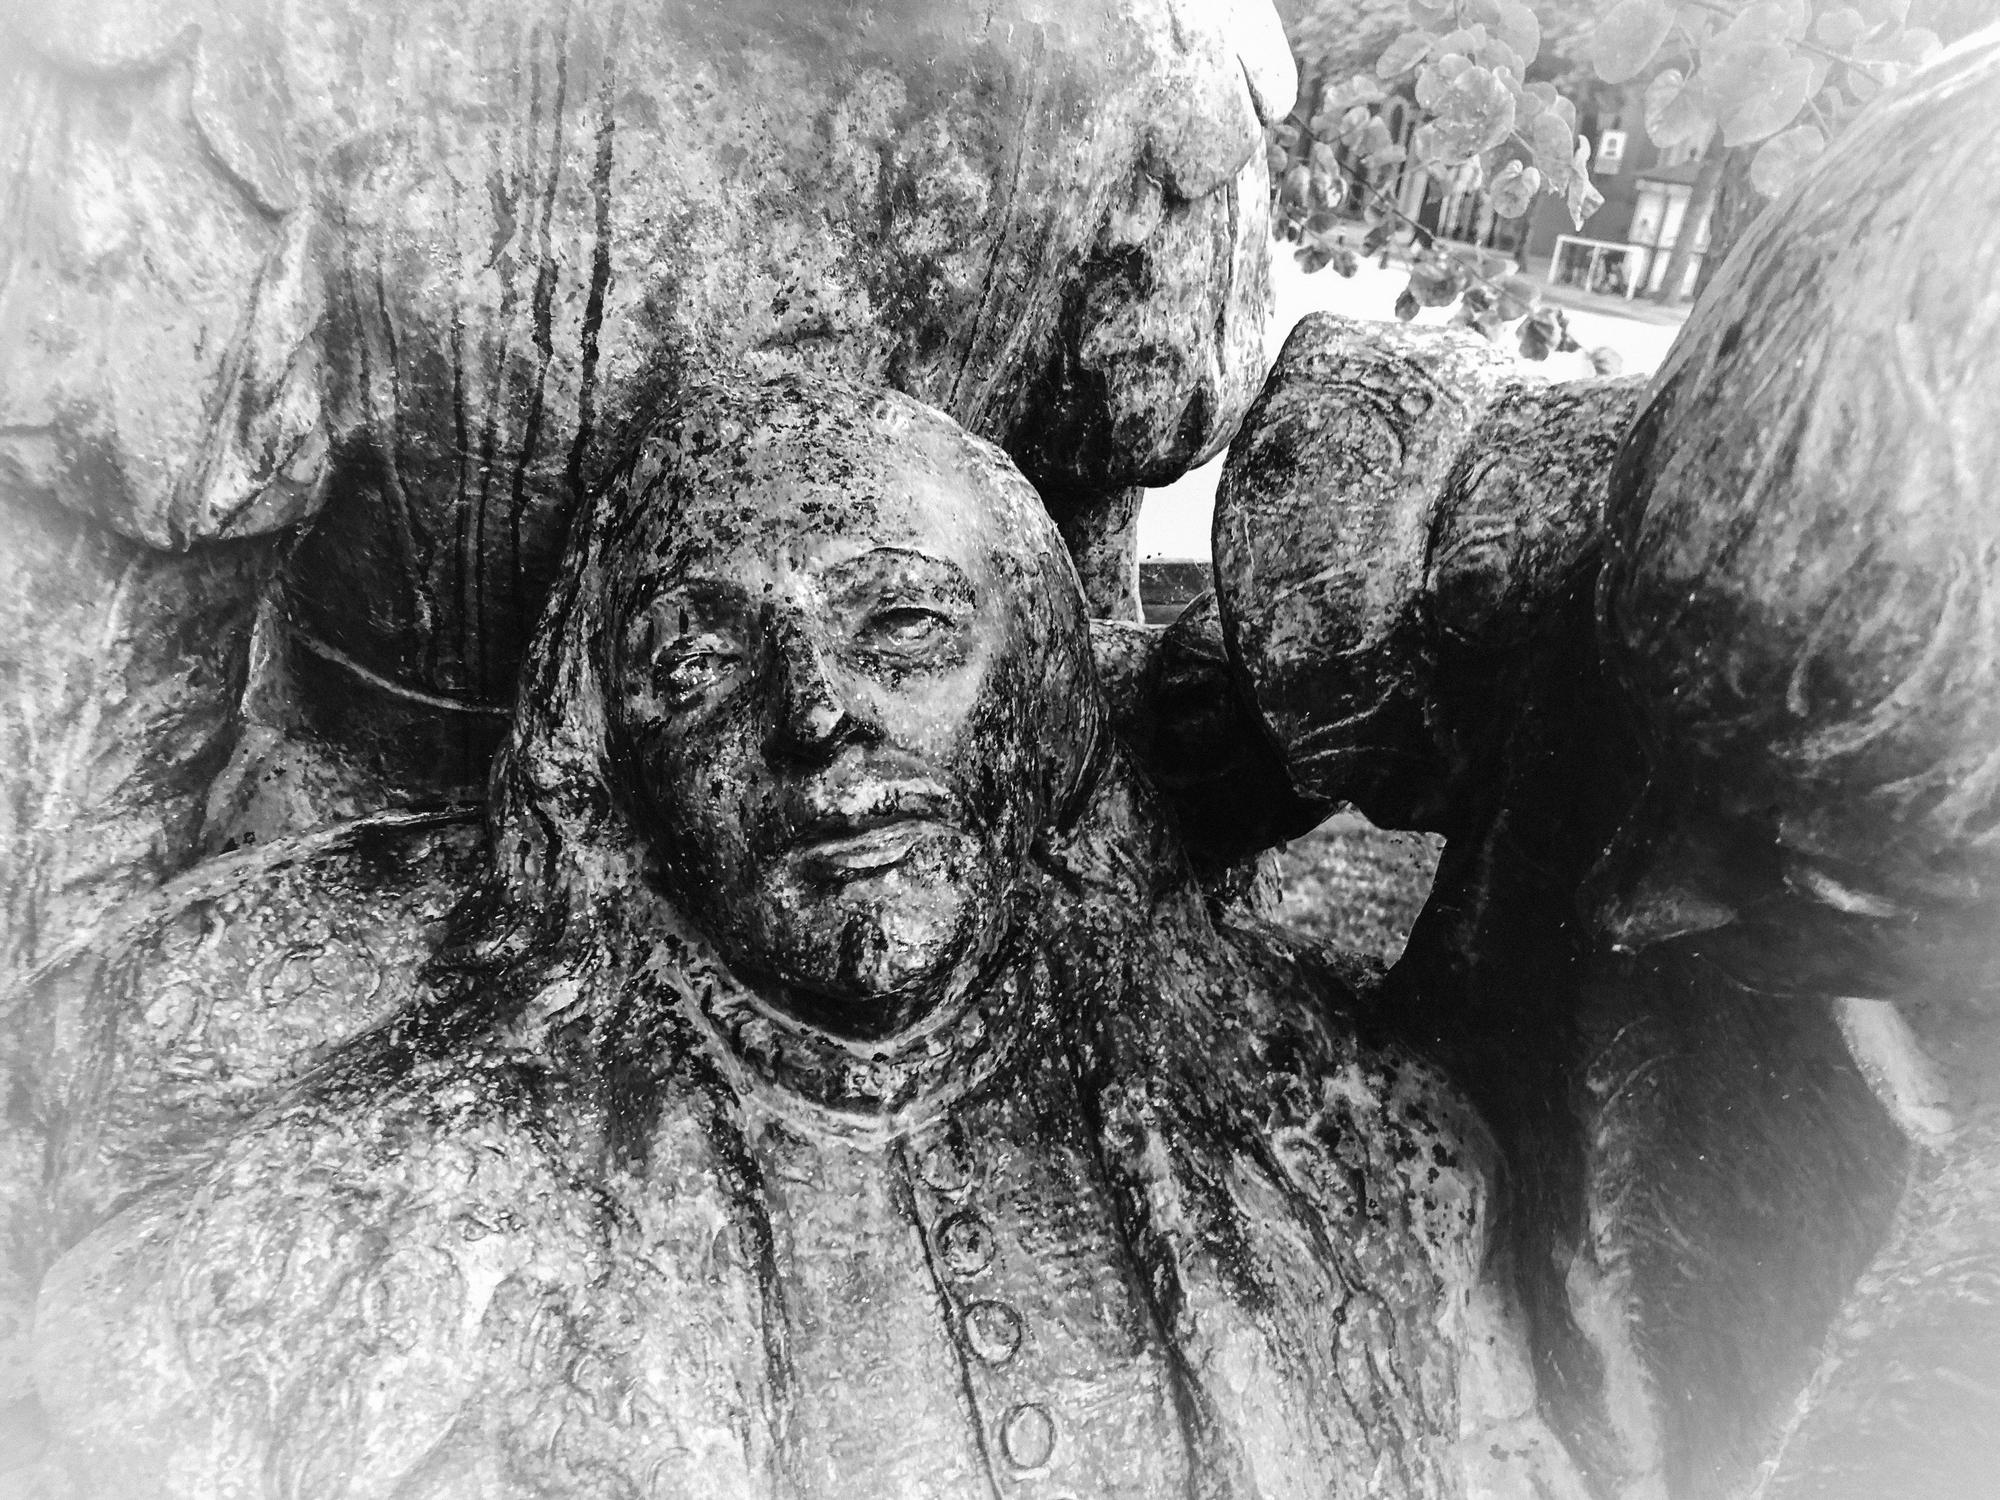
(991, 1329)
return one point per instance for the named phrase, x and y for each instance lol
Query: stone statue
(841, 1087)
(842, 1060)
(335, 311)
(1704, 701)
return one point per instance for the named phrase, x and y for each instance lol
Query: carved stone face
(830, 672)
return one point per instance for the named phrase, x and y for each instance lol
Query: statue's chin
(876, 973)
(865, 965)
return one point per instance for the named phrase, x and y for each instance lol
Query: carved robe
(1148, 1218)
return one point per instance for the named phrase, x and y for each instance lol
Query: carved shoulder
(161, 1031)
(317, 1304)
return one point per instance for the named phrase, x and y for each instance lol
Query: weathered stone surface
(1771, 707)
(959, 1149)
(1398, 522)
(129, 1056)
(420, 270)
(121, 667)
(1801, 592)
(1797, 606)
(451, 253)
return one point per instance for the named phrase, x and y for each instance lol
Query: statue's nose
(813, 712)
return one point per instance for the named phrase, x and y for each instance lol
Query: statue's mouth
(856, 826)
(880, 846)
(853, 827)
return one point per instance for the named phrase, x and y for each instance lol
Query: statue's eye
(689, 672)
(904, 627)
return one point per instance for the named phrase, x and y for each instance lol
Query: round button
(344, 969)
(944, 1168)
(294, 976)
(1028, 1435)
(992, 1331)
(966, 1243)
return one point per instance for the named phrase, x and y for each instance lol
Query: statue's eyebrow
(698, 602)
(883, 568)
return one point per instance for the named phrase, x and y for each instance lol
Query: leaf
(1518, 296)
(1580, 193)
(1324, 158)
(1541, 331)
(1433, 13)
(1483, 12)
(1606, 361)
(1436, 282)
(1467, 39)
(1781, 159)
(1696, 20)
(1732, 77)
(1403, 54)
(1772, 108)
(1553, 144)
(1884, 12)
(1918, 45)
(1675, 113)
(1627, 38)
(1322, 254)
(1378, 147)
(1840, 28)
(1761, 24)
(1512, 191)
(1474, 114)
(1519, 29)
(1406, 306)
(1361, 88)
(1501, 58)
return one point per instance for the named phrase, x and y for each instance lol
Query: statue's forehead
(793, 506)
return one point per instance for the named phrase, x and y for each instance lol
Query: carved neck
(886, 1087)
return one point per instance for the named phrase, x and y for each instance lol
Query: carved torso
(1097, 1259)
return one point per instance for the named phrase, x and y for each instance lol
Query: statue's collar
(880, 1088)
